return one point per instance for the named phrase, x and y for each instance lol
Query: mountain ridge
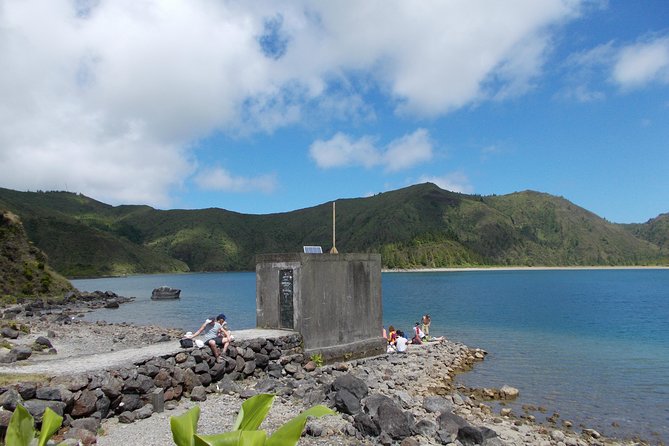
(420, 226)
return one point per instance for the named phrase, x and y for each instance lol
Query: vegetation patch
(14, 378)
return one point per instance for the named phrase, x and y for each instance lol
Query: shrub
(21, 428)
(245, 430)
(318, 359)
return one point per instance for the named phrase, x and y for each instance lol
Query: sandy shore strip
(521, 268)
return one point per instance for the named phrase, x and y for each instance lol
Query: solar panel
(313, 250)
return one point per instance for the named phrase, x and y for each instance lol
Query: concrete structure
(333, 301)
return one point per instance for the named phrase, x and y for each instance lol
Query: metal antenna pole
(334, 244)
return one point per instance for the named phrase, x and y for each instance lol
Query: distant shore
(517, 268)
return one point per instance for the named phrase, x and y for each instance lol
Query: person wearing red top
(392, 335)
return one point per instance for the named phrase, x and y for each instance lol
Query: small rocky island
(165, 293)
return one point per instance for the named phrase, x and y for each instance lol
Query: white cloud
(112, 95)
(586, 73)
(402, 153)
(220, 179)
(454, 181)
(643, 63)
(342, 151)
(408, 151)
(626, 67)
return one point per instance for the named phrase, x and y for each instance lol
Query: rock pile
(72, 303)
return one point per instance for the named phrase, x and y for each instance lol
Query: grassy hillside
(553, 231)
(23, 268)
(418, 226)
(77, 233)
(655, 231)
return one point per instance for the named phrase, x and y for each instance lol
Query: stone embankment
(136, 392)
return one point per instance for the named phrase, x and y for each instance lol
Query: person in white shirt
(212, 329)
(401, 342)
(418, 335)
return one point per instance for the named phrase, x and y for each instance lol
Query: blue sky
(263, 107)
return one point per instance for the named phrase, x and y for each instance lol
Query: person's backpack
(186, 343)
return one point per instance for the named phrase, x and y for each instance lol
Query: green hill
(23, 268)
(418, 226)
(655, 231)
(78, 235)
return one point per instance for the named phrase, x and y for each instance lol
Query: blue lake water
(592, 345)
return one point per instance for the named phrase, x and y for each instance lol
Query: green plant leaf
(21, 429)
(289, 434)
(253, 412)
(184, 427)
(232, 438)
(51, 422)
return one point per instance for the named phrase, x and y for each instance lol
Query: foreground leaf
(289, 434)
(184, 427)
(21, 429)
(232, 438)
(253, 412)
(51, 422)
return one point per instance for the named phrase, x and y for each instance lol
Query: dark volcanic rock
(451, 423)
(112, 387)
(469, 436)
(41, 340)
(349, 390)
(199, 393)
(85, 404)
(10, 399)
(364, 423)
(8, 332)
(393, 421)
(37, 408)
(373, 402)
(54, 393)
(22, 352)
(437, 404)
(347, 403)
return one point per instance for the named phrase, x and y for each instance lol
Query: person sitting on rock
(392, 335)
(401, 342)
(224, 337)
(418, 334)
(212, 328)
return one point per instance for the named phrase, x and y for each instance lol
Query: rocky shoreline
(404, 399)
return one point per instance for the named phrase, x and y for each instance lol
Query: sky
(272, 106)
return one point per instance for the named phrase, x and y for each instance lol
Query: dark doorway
(286, 298)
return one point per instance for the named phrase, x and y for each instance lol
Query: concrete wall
(336, 301)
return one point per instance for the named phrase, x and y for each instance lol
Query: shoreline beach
(520, 268)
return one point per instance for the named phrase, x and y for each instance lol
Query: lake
(592, 345)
